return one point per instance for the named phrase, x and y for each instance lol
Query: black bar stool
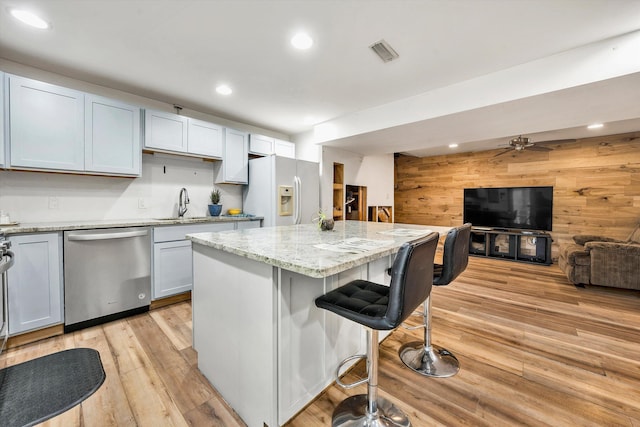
(424, 357)
(380, 307)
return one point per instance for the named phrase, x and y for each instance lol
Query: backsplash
(42, 197)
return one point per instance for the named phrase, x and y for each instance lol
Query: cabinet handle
(108, 236)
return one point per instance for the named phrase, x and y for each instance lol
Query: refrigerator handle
(297, 194)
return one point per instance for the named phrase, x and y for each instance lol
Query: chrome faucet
(183, 201)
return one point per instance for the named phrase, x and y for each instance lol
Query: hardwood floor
(534, 350)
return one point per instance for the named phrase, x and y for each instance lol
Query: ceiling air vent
(384, 51)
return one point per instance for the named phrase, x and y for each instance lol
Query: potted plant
(215, 207)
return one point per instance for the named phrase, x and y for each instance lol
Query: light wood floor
(534, 350)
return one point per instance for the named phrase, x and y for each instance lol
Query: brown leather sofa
(596, 260)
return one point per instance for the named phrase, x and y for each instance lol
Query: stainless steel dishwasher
(107, 275)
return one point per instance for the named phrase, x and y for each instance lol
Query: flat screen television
(523, 208)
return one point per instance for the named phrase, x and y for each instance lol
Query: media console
(514, 245)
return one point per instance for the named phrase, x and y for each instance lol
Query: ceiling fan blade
(538, 148)
(556, 141)
(508, 150)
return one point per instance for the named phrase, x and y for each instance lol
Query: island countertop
(307, 250)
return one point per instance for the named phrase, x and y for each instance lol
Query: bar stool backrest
(411, 278)
(455, 256)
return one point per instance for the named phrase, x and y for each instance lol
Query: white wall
(306, 147)
(43, 197)
(374, 172)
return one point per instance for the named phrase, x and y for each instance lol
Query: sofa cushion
(581, 239)
(576, 255)
(614, 264)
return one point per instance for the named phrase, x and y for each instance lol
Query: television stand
(514, 245)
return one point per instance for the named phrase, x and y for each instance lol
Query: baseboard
(186, 296)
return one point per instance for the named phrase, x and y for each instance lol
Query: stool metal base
(352, 412)
(434, 361)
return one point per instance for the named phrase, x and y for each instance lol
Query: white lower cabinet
(172, 257)
(243, 225)
(172, 272)
(35, 282)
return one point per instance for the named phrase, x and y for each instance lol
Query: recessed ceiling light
(224, 90)
(595, 126)
(302, 41)
(30, 18)
(454, 145)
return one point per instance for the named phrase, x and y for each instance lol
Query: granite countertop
(306, 250)
(37, 227)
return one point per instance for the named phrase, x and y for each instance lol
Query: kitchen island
(261, 341)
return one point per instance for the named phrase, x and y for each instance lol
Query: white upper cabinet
(46, 125)
(184, 135)
(204, 138)
(59, 129)
(265, 146)
(165, 131)
(235, 158)
(112, 136)
(260, 144)
(285, 149)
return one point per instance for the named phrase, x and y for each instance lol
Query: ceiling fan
(521, 142)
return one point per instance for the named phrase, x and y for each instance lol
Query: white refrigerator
(282, 190)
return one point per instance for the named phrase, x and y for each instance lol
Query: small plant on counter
(215, 197)
(215, 207)
(324, 223)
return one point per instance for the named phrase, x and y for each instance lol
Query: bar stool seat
(379, 307)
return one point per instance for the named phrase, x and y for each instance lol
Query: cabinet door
(112, 136)
(165, 131)
(205, 138)
(172, 268)
(285, 149)
(46, 125)
(244, 225)
(235, 161)
(260, 144)
(35, 282)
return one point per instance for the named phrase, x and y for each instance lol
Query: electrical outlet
(142, 203)
(54, 203)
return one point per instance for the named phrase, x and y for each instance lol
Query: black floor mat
(34, 391)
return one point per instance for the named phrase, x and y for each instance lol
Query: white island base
(261, 341)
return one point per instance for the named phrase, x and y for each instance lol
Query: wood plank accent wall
(596, 184)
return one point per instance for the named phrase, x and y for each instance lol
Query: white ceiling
(177, 51)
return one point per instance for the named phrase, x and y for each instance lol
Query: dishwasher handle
(108, 236)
